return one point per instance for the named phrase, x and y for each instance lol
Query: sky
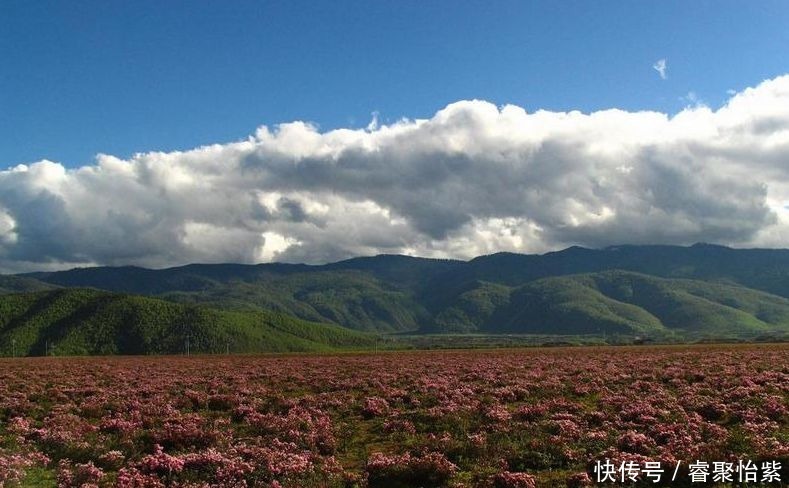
(163, 133)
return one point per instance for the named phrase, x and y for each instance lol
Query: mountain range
(702, 291)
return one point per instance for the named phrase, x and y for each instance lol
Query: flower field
(500, 418)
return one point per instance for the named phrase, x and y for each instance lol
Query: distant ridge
(717, 290)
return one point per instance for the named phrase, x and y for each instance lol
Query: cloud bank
(473, 179)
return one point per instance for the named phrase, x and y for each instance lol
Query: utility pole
(13, 347)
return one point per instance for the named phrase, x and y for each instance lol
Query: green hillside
(354, 297)
(705, 290)
(348, 298)
(619, 302)
(86, 321)
(760, 269)
(21, 284)
(466, 307)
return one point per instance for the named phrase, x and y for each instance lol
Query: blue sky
(81, 78)
(159, 133)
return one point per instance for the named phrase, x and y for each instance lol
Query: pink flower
(507, 479)
(375, 407)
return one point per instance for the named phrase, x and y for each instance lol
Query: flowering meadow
(493, 418)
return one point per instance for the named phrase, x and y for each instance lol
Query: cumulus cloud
(661, 67)
(473, 179)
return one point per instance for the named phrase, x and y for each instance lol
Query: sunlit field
(497, 418)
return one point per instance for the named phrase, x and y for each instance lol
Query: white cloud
(692, 100)
(474, 178)
(660, 67)
(7, 228)
(273, 245)
(373, 125)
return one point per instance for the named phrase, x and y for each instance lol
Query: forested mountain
(88, 321)
(703, 289)
(373, 294)
(616, 302)
(762, 269)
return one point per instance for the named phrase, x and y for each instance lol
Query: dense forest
(79, 321)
